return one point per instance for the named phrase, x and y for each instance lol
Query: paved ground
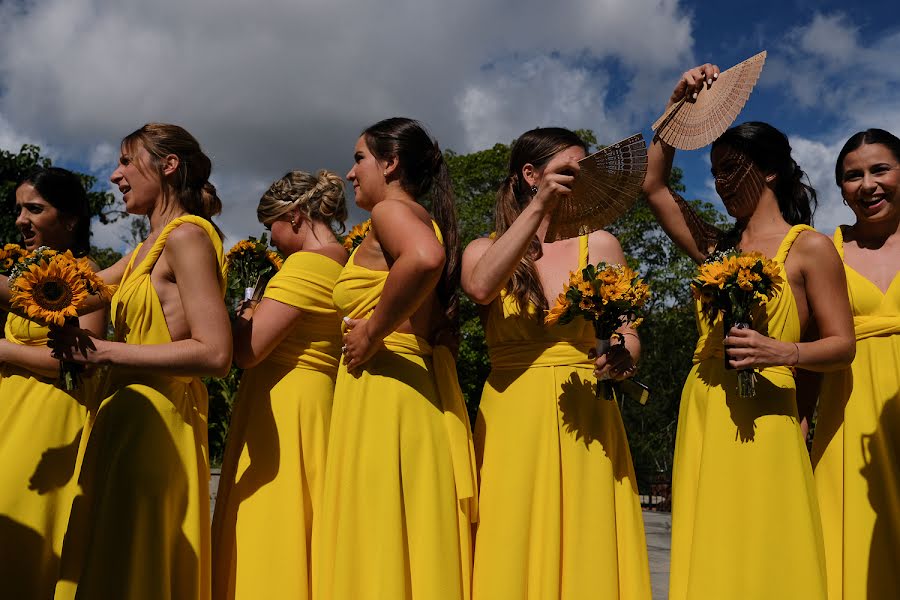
(658, 527)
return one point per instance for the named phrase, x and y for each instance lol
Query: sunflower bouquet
(248, 267)
(10, 255)
(50, 287)
(356, 235)
(607, 295)
(733, 284)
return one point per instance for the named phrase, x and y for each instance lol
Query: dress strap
(839, 240)
(583, 251)
(159, 245)
(788, 241)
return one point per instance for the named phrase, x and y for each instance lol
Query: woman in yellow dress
(745, 521)
(856, 450)
(140, 528)
(399, 496)
(270, 490)
(40, 423)
(559, 512)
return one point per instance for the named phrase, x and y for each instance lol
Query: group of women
(350, 469)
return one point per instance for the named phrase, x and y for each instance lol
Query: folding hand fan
(605, 187)
(689, 125)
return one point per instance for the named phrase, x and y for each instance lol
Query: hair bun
(212, 204)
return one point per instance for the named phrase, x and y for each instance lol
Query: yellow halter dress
(399, 498)
(270, 490)
(140, 530)
(745, 521)
(559, 512)
(40, 429)
(856, 450)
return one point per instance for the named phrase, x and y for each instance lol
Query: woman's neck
(318, 235)
(874, 234)
(765, 219)
(164, 212)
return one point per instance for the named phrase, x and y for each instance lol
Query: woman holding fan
(559, 513)
(270, 490)
(744, 505)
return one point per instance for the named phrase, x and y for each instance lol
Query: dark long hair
(535, 147)
(423, 172)
(64, 191)
(869, 136)
(770, 150)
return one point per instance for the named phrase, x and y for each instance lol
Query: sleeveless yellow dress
(745, 521)
(559, 512)
(400, 493)
(856, 450)
(40, 429)
(140, 529)
(270, 490)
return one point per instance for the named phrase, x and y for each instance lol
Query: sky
(272, 85)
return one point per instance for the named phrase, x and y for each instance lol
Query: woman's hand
(749, 349)
(556, 182)
(73, 344)
(617, 363)
(358, 346)
(693, 81)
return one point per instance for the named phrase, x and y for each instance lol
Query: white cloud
(271, 86)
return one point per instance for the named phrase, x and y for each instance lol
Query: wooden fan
(689, 125)
(605, 187)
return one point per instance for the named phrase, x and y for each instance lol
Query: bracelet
(796, 360)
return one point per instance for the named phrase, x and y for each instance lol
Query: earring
(533, 190)
(384, 174)
(292, 222)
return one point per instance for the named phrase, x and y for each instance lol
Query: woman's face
(739, 182)
(40, 223)
(288, 236)
(367, 176)
(137, 180)
(871, 182)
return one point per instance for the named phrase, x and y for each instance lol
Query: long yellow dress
(140, 529)
(745, 521)
(270, 490)
(856, 450)
(400, 493)
(40, 430)
(559, 512)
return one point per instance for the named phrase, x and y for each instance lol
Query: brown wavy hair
(535, 147)
(190, 182)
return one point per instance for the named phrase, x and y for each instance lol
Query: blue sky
(271, 85)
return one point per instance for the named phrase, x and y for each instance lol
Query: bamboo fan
(605, 187)
(691, 125)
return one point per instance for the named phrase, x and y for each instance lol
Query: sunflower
(357, 235)
(275, 259)
(50, 292)
(11, 254)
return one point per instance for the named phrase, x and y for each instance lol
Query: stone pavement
(657, 525)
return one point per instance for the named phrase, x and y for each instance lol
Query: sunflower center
(52, 294)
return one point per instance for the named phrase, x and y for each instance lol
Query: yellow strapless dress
(40, 430)
(140, 529)
(856, 450)
(559, 512)
(271, 486)
(400, 493)
(745, 521)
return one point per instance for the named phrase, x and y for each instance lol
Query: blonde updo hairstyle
(318, 197)
(190, 182)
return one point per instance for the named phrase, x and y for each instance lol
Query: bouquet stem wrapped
(733, 285)
(50, 287)
(609, 296)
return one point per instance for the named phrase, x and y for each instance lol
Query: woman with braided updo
(270, 491)
(745, 521)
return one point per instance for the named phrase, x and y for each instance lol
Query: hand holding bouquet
(248, 267)
(609, 296)
(734, 284)
(50, 287)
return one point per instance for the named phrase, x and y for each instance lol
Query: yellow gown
(40, 429)
(559, 512)
(270, 490)
(856, 449)
(400, 494)
(140, 528)
(745, 521)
